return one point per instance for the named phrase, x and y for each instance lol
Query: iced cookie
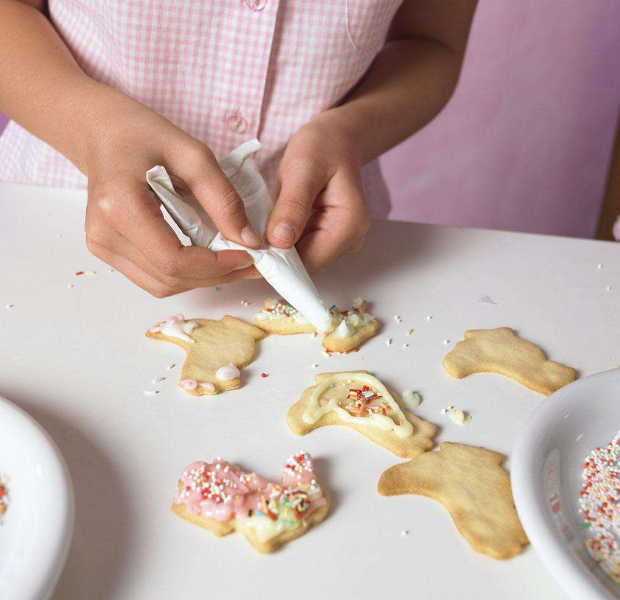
(472, 485)
(359, 400)
(282, 319)
(215, 350)
(351, 327)
(502, 351)
(221, 498)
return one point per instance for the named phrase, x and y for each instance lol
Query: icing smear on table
(222, 491)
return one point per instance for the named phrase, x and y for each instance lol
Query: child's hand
(320, 172)
(124, 224)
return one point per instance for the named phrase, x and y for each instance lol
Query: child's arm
(409, 82)
(115, 140)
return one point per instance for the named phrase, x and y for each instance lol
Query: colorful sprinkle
(598, 502)
(263, 375)
(151, 392)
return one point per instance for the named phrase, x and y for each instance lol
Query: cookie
(215, 350)
(222, 498)
(281, 319)
(351, 327)
(359, 400)
(502, 351)
(472, 485)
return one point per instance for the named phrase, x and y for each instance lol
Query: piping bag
(282, 268)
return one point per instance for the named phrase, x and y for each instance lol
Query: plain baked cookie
(215, 350)
(502, 351)
(220, 497)
(472, 485)
(359, 400)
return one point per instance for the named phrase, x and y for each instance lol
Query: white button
(256, 5)
(235, 121)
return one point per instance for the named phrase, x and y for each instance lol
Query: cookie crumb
(486, 300)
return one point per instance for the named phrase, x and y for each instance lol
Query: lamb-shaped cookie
(221, 498)
(502, 351)
(351, 327)
(215, 350)
(359, 400)
(472, 485)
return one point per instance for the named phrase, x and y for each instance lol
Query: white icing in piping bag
(282, 268)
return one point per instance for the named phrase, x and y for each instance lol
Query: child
(100, 92)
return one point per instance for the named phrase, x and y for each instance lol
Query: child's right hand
(124, 224)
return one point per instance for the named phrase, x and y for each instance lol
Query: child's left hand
(319, 193)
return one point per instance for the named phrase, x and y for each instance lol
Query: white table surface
(78, 361)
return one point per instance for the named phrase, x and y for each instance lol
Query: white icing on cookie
(227, 373)
(314, 411)
(344, 330)
(176, 327)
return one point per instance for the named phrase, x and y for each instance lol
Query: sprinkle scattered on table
(405, 345)
(599, 266)
(70, 286)
(409, 331)
(486, 300)
(429, 317)
(404, 532)
(158, 380)
(151, 392)
(388, 342)
(217, 288)
(10, 305)
(446, 342)
(314, 365)
(171, 366)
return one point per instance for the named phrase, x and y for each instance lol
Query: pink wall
(524, 143)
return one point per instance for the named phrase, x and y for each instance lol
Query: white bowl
(36, 530)
(546, 478)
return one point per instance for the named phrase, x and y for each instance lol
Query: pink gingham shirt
(222, 70)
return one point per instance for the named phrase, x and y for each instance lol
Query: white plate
(36, 530)
(546, 478)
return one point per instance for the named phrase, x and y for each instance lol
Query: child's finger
(216, 194)
(299, 186)
(135, 214)
(154, 285)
